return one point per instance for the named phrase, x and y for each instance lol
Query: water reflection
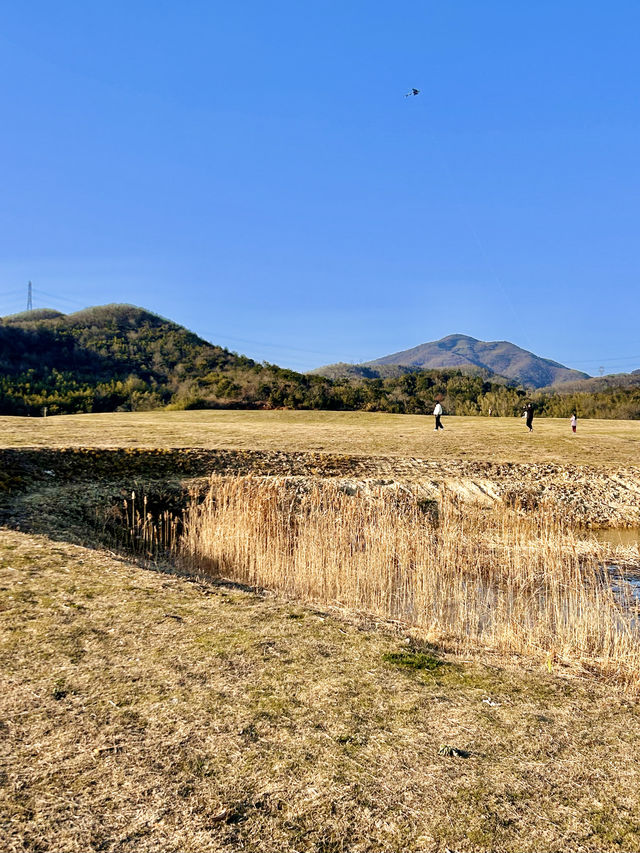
(623, 536)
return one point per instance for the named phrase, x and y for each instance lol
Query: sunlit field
(162, 714)
(597, 442)
(317, 656)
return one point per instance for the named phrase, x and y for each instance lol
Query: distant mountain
(471, 355)
(596, 384)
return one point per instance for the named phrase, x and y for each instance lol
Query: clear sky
(253, 171)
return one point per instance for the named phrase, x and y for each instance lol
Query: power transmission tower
(30, 297)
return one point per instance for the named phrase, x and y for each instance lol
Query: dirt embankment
(588, 495)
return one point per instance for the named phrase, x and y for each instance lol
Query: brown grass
(502, 579)
(143, 712)
(598, 442)
(140, 711)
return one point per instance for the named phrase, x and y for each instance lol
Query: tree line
(122, 358)
(264, 386)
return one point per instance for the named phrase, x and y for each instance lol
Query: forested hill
(112, 339)
(119, 357)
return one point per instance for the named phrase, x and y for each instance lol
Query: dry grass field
(142, 711)
(600, 443)
(477, 695)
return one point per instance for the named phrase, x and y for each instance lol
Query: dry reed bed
(464, 577)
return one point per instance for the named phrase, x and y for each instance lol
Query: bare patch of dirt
(589, 496)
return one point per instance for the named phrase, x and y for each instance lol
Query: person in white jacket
(438, 413)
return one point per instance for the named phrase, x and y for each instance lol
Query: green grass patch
(414, 660)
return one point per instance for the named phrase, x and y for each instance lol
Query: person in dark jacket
(528, 413)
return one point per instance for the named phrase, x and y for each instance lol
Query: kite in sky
(412, 92)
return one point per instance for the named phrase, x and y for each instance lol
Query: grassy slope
(253, 723)
(598, 442)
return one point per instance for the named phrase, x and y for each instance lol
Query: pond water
(622, 536)
(624, 577)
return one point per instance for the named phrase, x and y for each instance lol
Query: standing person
(528, 412)
(574, 422)
(438, 413)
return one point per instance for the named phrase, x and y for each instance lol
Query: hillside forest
(123, 358)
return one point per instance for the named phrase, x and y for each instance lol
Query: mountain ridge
(500, 358)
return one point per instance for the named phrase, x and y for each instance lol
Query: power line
(58, 298)
(15, 300)
(279, 346)
(601, 360)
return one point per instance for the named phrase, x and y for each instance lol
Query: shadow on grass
(93, 514)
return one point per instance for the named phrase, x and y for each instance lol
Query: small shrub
(59, 690)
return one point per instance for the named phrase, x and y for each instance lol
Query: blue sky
(253, 171)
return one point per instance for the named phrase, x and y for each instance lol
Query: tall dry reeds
(500, 578)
